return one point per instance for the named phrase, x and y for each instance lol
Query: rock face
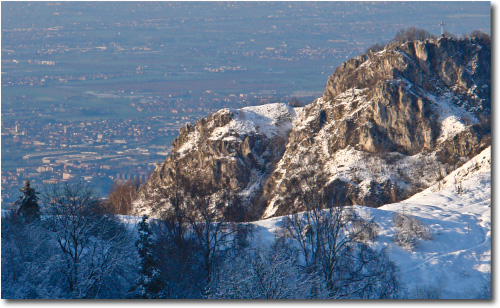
(389, 125)
(232, 151)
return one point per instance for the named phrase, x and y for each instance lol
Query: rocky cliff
(232, 151)
(389, 125)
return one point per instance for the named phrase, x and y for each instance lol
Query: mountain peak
(462, 65)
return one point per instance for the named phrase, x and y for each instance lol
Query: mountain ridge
(389, 124)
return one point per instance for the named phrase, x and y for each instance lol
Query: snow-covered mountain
(390, 124)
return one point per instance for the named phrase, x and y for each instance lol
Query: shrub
(375, 47)
(295, 102)
(426, 292)
(411, 34)
(480, 36)
(459, 189)
(409, 231)
(121, 196)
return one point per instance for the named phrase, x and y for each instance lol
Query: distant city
(97, 91)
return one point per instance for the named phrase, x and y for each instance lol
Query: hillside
(456, 262)
(389, 125)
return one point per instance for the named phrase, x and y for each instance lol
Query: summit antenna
(442, 28)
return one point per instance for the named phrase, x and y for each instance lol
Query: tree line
(64, 243)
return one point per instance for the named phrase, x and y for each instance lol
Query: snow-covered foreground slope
(457, 260)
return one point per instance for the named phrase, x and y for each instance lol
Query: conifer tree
(150, 284)
(28, 203)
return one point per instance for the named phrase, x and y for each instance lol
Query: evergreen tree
(150, 284)
(28, 202)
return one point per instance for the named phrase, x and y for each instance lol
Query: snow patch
(453, 118)
(450, 127)
(271, 120)
(191, 143)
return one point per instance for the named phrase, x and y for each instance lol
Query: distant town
(100, 97)
(102, 151)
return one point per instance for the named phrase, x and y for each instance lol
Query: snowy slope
(459, 255)
(480, 164)
(458, 258)
(270, 120)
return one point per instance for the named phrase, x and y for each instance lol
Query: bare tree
(266, 273)
(28, 256)
(333, 240)
(175, 246)
(409, 231)
(411, 34)
(375, 48)
(210, 229)
(424, 291)
(176, 260)
(481, 36)
(193, 233)
(94, 247)
(121, 197)
(295, 102)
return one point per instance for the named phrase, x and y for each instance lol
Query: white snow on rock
(270, 120)
(453, 119)
(450, 127)
(191, 144)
